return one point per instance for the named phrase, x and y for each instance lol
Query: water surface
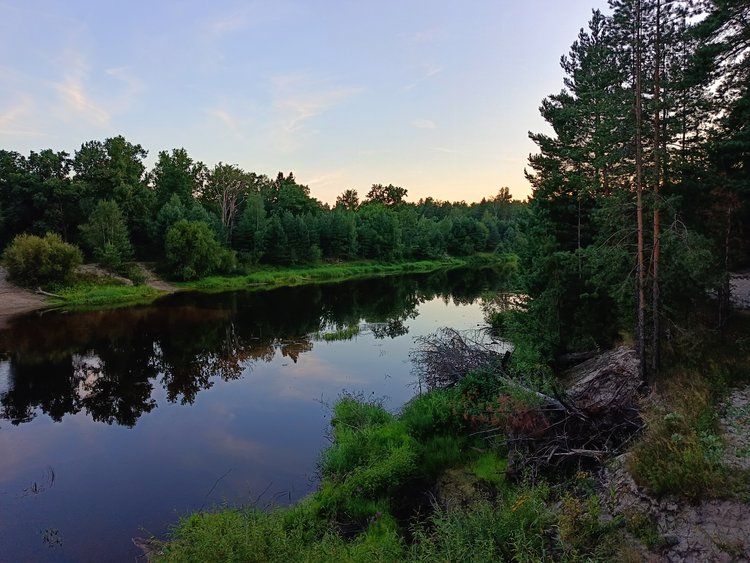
(113, 424)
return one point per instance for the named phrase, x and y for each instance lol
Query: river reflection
(115, 420)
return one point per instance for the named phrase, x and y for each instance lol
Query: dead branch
(593, 420)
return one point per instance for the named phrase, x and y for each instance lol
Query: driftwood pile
(592, 416)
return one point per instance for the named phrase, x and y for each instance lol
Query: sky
(434, 96)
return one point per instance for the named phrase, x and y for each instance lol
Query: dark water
(113, 424)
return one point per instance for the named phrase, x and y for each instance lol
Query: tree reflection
(109, 363)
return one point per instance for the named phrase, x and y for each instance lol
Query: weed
(681, 450)
(582, 528)
(644, 529)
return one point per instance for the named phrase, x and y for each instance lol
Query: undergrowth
(681, 450)
(379, 497)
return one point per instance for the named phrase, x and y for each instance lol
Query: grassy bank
(92, 292)
(271, 277)
(415, 486)
(83, 296)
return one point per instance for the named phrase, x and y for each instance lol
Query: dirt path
(153, 281)
(16, 301)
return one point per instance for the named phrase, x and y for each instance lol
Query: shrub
(192, 251)
(134, 273)
(431, 413)
(35, 261)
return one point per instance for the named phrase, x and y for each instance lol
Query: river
(114, 424)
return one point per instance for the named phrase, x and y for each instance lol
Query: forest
(199, 220)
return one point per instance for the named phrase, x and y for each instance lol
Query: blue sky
(433, 96)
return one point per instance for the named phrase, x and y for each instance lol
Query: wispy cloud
(298, 98)
(445, 150)
(424, 124)
(77, 104)
(423, 35)
(223, 117)
(425, 72)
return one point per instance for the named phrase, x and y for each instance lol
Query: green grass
(92, 292)
(266, 277)
(295, 534)
(97, 296)
(379, 463)
(491, 468)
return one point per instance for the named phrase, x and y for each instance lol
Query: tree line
(200, 220)
(640, 196)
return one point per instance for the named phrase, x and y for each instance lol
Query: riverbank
(267, 277)
(101, 291)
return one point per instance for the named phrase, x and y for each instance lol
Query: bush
(432, 413)
(192, 251)
(134, 273)
(34, 261)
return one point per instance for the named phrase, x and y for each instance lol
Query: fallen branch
(47, 293)
(595, 419)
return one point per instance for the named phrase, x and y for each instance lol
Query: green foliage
(106, 235)
(87, 296)
(490, 467)
(134, 272)
(583, 531)
(645, 529)
(281, 536)
(514, 529)
(431, 414)
(266, 277)
(251, 229)
(34, 261)
(378, 233)
(343, 333)
(389, 195)
(192, 251)
(680, 452)
(172, 211)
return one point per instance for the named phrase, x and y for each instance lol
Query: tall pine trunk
(641, 337)
(656, 253)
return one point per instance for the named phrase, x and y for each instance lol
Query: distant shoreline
(15, 301)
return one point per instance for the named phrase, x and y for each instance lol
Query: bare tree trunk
(656, 253)
(641, 337)
(725, 288)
